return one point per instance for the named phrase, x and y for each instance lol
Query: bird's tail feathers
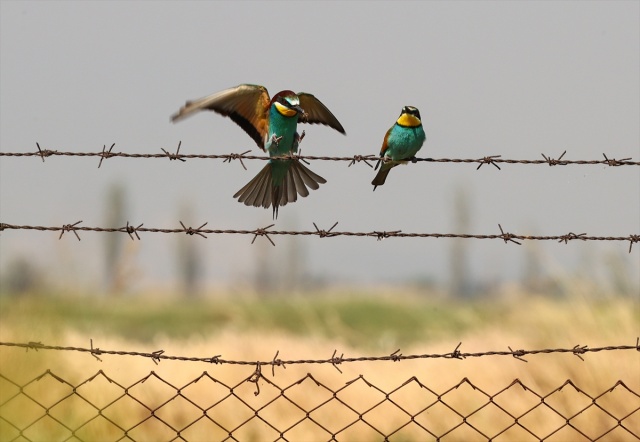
(380, 177)
(261, 191)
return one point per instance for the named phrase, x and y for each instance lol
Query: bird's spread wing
(316, 112)
(247, 105)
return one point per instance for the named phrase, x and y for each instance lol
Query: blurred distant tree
(532, 278)
(115, 217)
(296, 274)
(535, 276)
(264, 279)
(20, 277)
(189, 260)
(460, 284)
(620, 277)
(294, 265)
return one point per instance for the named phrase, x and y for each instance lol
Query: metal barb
(237, 156)
(191, 231)
(133, 230)
(395, 356)
(278, 362)
(489, 160)
(45, 152)
(105, 154)
(614, 162)
(174, 156)
(335, 361)
(569, 236)
(263, 232)
(155, 356)
(382, 235)
(577, 350)
(95, 351)
(34, 345)
(358, 158)
(633, 239)
(325, 233)
(40, 150)
(297, 157)
(518, 354)
(507, 236)
(70, 228)
(554, 162)
(455, 354)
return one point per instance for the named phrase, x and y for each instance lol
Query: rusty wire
(335, 360)
(493, 160)
(28, 406)
(321, 233)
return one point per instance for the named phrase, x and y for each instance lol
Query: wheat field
(169, 405)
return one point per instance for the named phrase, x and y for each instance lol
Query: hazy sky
(511, 78)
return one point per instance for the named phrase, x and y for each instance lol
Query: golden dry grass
(527, 323)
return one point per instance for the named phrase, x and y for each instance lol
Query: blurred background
(517, 79)
(489, 78)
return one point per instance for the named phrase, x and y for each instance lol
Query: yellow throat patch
(407, 120)
(285, 111)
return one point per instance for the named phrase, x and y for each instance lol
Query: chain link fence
(50, 407)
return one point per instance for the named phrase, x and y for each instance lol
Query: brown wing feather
(383, 149)
(247, 105)
(316, 112)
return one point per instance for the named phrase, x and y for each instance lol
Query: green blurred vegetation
(357, 319)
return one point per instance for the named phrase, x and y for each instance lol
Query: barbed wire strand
(321, 233)
(335, 360)
(494, 160)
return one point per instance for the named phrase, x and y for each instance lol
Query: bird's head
(409, 117)
(411, 110)
(287, 104)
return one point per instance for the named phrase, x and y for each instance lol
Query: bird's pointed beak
(300, 111)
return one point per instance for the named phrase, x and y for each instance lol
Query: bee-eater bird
(401, 143)
(272, 125)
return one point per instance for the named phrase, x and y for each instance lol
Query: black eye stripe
(411, 110)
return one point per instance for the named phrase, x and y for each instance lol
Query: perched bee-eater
(401, 143)
(272, 125)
